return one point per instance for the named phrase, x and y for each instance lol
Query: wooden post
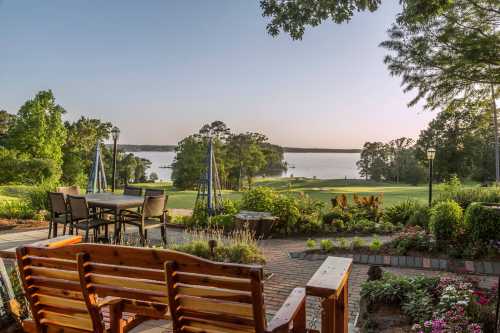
(330, 282)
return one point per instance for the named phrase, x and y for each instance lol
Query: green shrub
(22, 169)
(376, 244)
(225, 221)
(412, 238)
(285, 208)
(464, 197)
(418, 305)
(343, 243)
(16, 209)
(446, 217)
(326, 244)
(393, 289)
(259, 199)
(311, 243)
(402, 212)
(336, 214)
(231, 207)
(357, 243)
(38, 197)
(482, 222)
(421, 217)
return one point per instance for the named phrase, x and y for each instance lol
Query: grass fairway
(319, 189)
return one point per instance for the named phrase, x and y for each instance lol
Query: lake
(319, 165)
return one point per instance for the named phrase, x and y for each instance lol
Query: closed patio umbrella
(97, 178)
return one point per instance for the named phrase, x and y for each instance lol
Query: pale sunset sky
(160, 69)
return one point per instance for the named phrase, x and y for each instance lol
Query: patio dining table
(115, 203)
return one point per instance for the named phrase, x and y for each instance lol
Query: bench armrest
(294, 309)
(109, 301)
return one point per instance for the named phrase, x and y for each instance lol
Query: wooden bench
(96, 288)
(210, 297)
(52, 286)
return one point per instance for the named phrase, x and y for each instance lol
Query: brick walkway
(287, 274)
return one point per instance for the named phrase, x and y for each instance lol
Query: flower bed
(427, 305)
(411, 241)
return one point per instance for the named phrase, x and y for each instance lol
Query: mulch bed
(9, 226)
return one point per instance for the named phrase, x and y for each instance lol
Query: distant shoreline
(168, 148)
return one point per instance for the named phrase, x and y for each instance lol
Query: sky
(160, 69)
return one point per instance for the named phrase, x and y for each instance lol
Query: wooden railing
(330, 283)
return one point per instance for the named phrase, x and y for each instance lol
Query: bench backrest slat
(207, 298)
(52, 287)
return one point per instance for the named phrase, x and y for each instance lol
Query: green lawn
(318, 189)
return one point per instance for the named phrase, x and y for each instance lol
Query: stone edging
(449, 265)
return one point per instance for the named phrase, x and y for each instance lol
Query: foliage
(311, 243)
(455, 310)
(20, 168)
(482, 222)
(446, 218)
(293, 16)
(326, 245)
(357, 243)
(393, 289)
(445, 54)
(188, 165)
(463, 134)
(38, 130)
(237, 247)
(420, 217)
(238, 156)
(465, 196)
(153, 177)
(413, 238)
(16, 209)
(83, 136)
(343, 243)
(225, 221)
(370, 206)
(402, 212)
(340, 202)
(260, 199)
(394, 161)
(376, 244)
(418, 305)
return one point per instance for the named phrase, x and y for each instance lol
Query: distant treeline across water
(165, 148)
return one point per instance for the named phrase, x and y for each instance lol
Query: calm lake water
(319, 165)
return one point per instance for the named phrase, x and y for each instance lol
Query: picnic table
(114, 203)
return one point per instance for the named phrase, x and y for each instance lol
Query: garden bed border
(418, 262)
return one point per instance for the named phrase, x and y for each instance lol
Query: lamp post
(115, 133)
(431, 154)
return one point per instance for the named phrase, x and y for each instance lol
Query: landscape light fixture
(431, 154)
(115, 134)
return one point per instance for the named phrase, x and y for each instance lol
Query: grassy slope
(318, 189)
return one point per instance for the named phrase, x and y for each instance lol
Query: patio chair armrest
(130, 213)
(292, 310)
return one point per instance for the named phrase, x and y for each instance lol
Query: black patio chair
(82, 219)
(59, 213)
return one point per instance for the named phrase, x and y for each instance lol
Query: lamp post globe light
(115, 134)
(431, 154)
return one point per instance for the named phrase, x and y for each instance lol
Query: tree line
(448, 54)
(239, 157)
(463, 136)
(38, 147)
